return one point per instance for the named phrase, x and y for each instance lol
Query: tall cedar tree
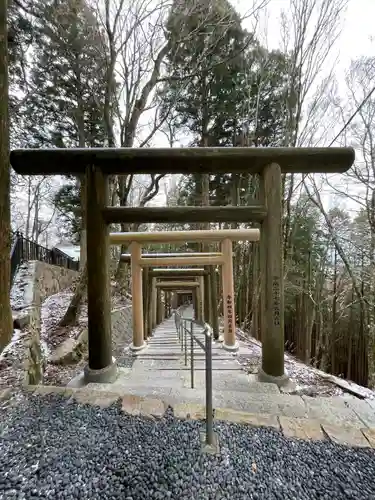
(5, 310)
(236, 96)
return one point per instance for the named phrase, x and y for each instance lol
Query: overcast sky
(357, 30)
(357, 38)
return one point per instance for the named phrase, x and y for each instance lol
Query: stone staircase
(160, 373)
(160, 378)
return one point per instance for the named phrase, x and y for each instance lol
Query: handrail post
(191, 355)
(209, 406)
(182, 334)
(185, 333)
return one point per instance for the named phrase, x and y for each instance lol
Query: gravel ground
(50, 448)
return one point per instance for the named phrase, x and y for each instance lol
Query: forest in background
(119, 73)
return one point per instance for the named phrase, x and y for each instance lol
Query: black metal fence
(23, 249)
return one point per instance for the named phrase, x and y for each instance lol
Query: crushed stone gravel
(53, 447)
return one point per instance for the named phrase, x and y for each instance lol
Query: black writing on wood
(229, 313)
(276, 300)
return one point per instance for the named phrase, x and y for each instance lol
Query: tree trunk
(6, 324)
(72, 313)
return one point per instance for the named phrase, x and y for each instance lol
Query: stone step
(247, 388)
(276, 405)
(179, 379)
(238, 382)
(165, 364)
(271, 404)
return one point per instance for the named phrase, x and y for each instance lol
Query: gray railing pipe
(209, 405)
(181, 326)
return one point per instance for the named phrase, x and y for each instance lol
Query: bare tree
(310, 29)
(360, 181)
(31, 201)
(137, 49)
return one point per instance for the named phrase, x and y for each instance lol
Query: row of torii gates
(97, 164)
(147, 280)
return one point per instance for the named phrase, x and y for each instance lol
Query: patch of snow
(53, 309)
(44, 349)
(21, 294)
(308, 379)
(10, 349)
(11, 360)
(72, 251)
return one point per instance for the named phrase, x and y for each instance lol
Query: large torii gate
(97, 164)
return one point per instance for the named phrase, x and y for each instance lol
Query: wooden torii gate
(195, 289)
(96, 164)
(181, 274)
(178, 287)
(223, 258)
(208, 281)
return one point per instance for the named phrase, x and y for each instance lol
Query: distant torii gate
(184, 274)
(175, 286)
(208, 289)
(96, 164)
(178, 287)
(208, 279)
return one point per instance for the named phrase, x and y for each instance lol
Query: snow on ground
(21, 291)
(11, 349)
(11, 360)
(61, 375)
(53, 310)
(308, 380)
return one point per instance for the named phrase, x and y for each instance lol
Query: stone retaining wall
(122, 326)
(71, 350)
(34, 282)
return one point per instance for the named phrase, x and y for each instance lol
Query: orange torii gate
(223, 258)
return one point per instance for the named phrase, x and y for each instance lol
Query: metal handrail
(23, 249)
(183, 331)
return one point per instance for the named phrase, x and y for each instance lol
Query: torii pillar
(272, 279)
(137, 300)
(230, 342)
(154, 304)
